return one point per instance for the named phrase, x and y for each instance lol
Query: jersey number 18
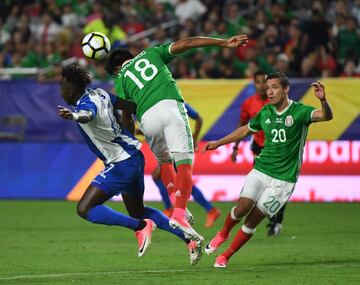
(142, 65)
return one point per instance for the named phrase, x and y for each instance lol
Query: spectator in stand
(296, 28)
(348, 40)
(189, 9)
(282, 65)
(47, 30)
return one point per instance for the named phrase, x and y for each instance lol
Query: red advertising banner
(320, 158)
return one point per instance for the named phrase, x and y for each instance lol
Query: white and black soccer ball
(95, 45)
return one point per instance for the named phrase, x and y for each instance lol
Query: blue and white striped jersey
(105, 137)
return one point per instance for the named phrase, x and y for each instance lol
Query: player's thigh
(152, 126)
(254, 185)
(177, 130)
(275, 196)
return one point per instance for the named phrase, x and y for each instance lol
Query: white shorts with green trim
(269, 194)
(167, 131)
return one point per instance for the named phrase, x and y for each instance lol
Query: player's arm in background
(197, 42)
(238, 134)
(193, 114)
(325, 114)
(244, 119)
(82, 116)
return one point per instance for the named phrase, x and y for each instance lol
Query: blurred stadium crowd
(301, 38)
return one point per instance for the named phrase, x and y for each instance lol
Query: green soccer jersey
(146, 79)
(285, 136)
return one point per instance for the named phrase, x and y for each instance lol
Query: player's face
(66, 91)
(275, 92)
(260, 84)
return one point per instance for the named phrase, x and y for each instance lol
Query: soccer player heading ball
(270, 184)
(146, 80)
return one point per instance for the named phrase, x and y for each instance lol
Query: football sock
(242, 236)
(183, 185)
(104, 215)
(168, 176)
(230, 222)
(164, 194)
(200, 199)
(162, 221)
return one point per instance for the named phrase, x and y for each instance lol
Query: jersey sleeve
(164, 52)
(191, 112)
(87, 105)
(255, 123)
(307, 114)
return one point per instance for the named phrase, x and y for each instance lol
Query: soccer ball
(95, 45)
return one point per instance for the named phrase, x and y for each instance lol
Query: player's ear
(287, 89)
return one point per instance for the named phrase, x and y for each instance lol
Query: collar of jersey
(283, 111)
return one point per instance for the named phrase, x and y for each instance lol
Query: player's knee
(82, 210)
(243, 207)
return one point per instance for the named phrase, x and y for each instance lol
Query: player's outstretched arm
(325, 114)
(196, 42)
(238, 134)
(82, 117)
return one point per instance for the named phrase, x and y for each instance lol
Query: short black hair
(284, 81)
(77, 75)
(116, 58)
(258, 72)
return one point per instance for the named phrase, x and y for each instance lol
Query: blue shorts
(125, 176)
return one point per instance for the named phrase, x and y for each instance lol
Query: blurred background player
(249, 109)
(272, 181)
(212, 213)
(123, 160)
(146, 80)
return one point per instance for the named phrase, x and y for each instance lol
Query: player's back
(146, 79)
(104, 136)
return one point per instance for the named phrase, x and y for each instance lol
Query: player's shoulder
(298, 105)
(161, 48)
(267, 108)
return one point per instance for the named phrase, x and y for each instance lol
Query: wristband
(75, 116)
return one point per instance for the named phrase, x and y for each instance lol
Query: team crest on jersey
(289, 121)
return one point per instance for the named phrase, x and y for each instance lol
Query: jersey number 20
(279, 135)
(142, 65)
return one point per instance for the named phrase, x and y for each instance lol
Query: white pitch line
(89, 273)
(210, 269)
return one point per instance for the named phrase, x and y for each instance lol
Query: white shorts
(167, 131)
(269, 194)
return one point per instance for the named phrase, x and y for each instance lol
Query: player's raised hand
(319, 90)
(210, 146)
(236, 41)
(65, 113)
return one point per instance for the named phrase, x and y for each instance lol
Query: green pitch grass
(46, 243)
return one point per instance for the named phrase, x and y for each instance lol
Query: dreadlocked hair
(77, 75)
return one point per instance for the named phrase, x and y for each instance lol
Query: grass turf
(44, 242)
